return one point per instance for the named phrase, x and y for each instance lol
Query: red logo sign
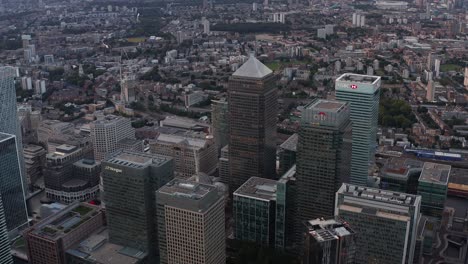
(321, 116)
(353, 86)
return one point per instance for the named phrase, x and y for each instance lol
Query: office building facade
(252, 99)
(323, 157)
(328, 241)
(286, 236)
(385, 223)
(130, 181)
(401, 175)
(35, 160)
(48, 240)
(362, 92)
(220, 122)
(254, 208)
(288, 153)
(8, 114)
(191, 155)
(223, 165)
(433, 187)
(107, 132)
(191, 223)
(59, 170)
(11, 189)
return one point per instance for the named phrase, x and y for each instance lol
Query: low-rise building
(48, 240)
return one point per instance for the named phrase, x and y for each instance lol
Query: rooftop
(65, 148)
(350, 77)
(384, 196)
(98, 249)
(175, 139)
(87, 163)
(186, 189)
(290, 143)
(258, 188)
(328, 105)
(253, 68)
(435, 173)
(135, 159)
(57, 225)
(330, 229)
(4, 136)
(400, 167)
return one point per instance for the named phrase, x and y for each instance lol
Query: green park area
(449, 67)
(275, 65)
(136, 40)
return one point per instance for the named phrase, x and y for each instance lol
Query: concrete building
(430, 91)
(130, 144)
(220, 123)
(465, 82)
(35, 160)
(206, 27)
(437, 67)
(130, 181)
(49, 59)
(321, 33)
(223, 165)
(328, 241)
(191, 223)
(433, 186)
(48, 240)
(385, 223)
(11, 187)
(252, 98)
(323, 157)
(107, 132)
(8, 115)
(362, 92)
(59, 170)
(191, 155)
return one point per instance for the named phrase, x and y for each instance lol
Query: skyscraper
(328, 241)
(191, 223)
(323, 153)
(107, 132)
(385, 223)
(5, 254)
(11, 187)
(130, 181)
(8, 114)
(252, 98)
(362, 92)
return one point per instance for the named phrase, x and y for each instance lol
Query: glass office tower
(8, 114)
(362, 92)
(11, 186)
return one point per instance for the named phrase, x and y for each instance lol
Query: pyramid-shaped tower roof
(252, 68)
